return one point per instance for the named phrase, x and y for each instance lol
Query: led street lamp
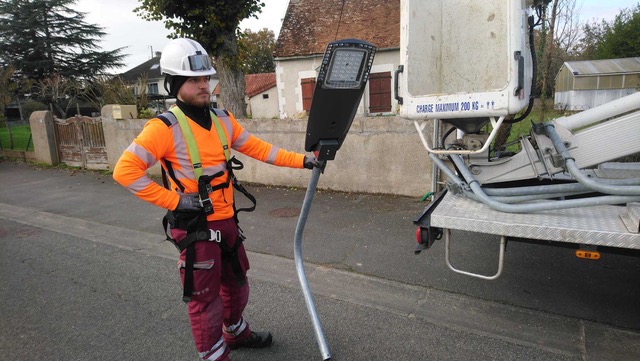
(341, 81)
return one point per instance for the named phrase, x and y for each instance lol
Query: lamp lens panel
(345, 69)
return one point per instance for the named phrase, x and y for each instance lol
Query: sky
(141, 38)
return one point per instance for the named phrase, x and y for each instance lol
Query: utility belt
(196, 227)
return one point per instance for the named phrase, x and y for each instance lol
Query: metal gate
(81, 142)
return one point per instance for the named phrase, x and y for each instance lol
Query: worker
(201, 219)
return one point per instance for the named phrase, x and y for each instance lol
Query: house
(581, 85)
(309, 25)
(157, 95)
(261, 95)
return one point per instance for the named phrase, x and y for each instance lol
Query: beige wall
(379, 155)
(289, 73)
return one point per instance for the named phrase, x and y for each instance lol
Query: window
(308, 86)
(631, 81)
(585, 83)
(265, 96)
(152, 88)
(380, 92)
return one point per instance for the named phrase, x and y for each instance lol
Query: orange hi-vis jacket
(162, 140)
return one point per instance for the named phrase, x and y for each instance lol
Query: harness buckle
(215, 235)
(207, 205)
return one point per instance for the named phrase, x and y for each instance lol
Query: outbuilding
(582, 85)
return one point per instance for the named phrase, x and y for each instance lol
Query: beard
(196, 100)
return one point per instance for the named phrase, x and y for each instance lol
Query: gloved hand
(309, 162)
(189, 202)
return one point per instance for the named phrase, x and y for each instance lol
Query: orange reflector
(581, 253)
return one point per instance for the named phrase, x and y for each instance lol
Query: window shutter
(380, 92)
(308, 86)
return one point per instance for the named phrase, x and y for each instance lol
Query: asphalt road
(85, 275)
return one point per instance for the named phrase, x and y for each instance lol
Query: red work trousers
(217, 300)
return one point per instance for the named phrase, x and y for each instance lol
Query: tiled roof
(151, 67)
(309, 25)
(255, 84)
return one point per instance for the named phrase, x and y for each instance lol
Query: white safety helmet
(185, 57)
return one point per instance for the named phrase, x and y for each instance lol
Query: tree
(43, 38)
(256, 51)
(567, 29)
(548, 55)
(61, 92)
(215, 26)
(7, 88)
(109, 90)
(618, 39)
(557, 42)
(592, 35)
(53, 51)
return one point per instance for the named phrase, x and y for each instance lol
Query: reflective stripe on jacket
(162, 139)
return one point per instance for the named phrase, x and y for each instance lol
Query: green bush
(146, 113)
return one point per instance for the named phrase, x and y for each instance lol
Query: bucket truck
(467, 66)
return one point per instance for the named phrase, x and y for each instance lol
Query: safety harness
(195, 223)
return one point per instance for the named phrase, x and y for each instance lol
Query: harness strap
(223, 138)
(200, 233)
(231, 254)
(187, 287)
(240, 188)
(194, 154)
(204, 188)
(176, 115)
(169, 173)
(228, 254)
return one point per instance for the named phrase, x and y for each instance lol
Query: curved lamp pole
(340, 83)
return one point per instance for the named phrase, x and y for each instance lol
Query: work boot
(255, 340)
